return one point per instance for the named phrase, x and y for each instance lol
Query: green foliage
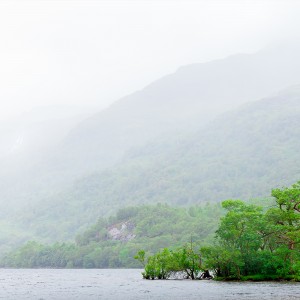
(151, 227)
(183, 262)
(140, 256)
(159, 266)
(252, 242)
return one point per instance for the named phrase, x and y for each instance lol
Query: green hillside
(242, 154)
(113, 242)
(183, 101)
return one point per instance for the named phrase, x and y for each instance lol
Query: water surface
(128, 284)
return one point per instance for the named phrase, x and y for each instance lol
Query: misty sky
(93, 52)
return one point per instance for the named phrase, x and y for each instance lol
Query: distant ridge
(184, 100)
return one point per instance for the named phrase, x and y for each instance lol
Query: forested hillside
(242, 154)
(112, 242)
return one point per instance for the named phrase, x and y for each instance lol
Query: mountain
(177, 104)
(160, 144)
(241, 154)
(182, 101)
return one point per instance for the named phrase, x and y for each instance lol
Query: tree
(241, 234)
(285, 218)
(166, 263)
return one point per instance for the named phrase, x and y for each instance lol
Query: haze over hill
(161, 144)
(39, 129)
(185, 100)
(162, 134)
(242, 154)
(180, 102)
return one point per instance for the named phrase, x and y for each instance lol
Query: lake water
(128, 284)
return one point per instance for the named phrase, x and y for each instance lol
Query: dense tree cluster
(182, 263)
(251, 243)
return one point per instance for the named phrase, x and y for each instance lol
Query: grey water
(42, 284)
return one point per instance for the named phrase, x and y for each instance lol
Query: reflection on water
(128, 284)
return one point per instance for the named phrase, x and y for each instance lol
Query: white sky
(93, 52)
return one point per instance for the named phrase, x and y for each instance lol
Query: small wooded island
(251, 243)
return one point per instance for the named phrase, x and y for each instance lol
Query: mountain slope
(186, 100)
(242, 154)
(181, 103)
